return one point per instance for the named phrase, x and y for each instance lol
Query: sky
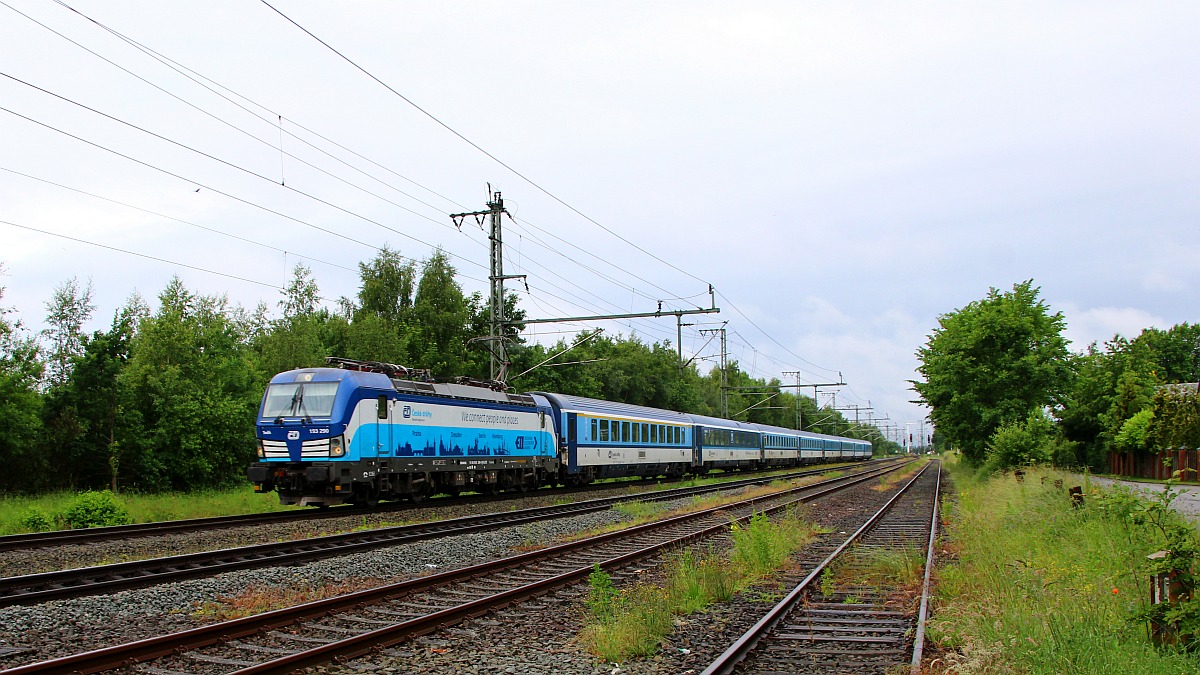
(841, 173)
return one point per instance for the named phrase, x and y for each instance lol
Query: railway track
(14, 542)
(357, 623)
(849, 627)
(34, 588)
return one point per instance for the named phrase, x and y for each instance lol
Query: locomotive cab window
(309, 399)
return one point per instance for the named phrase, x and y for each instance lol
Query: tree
(301, 295)
(86, 427)
(67, 310)
(1176, 420)
(193, 383)
(21, 369)
(441, 317)
(387, 287)
(293, 341)
(993, 362)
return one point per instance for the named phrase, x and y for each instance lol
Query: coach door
(572, 442)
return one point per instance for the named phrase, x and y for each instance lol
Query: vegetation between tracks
(632, 621)
(1035, 585)
(640, 513)
(898, 572)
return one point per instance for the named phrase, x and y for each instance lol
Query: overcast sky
(842, 173)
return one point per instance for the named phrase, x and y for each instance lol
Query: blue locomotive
(366, 431)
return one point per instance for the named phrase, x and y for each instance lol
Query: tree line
(1003, 388)
(166, 397)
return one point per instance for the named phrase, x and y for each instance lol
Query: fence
(1150, 464)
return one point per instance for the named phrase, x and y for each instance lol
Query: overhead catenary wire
(206, 186)
(478, 147)
(145, 255)
(201, 80)
(531, 181)
(179, 220)
(224, 162)
(180, 68)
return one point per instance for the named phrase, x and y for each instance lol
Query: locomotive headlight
(336, 449)
(261, 453)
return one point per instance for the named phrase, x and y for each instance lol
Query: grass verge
(1030, 584)
(24, 513)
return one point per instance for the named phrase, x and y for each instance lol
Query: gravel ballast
(64, 627)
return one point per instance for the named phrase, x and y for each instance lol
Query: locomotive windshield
(307, 399)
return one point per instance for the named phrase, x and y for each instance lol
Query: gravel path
(1187, 503)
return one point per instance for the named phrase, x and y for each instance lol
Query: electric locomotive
(367, 431)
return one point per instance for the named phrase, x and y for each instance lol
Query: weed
(639, 510)
(602, 597)
(828, 582)
(631, 622)
(255, 600)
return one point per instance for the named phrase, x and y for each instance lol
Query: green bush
(1027, 443)
(1135, 432)
(96, 509)
(34, 520)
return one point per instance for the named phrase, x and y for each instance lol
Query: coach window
(595, 429)
(637, 433)
(624, 432)
(603, 430)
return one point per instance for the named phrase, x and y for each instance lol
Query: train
(362, 431)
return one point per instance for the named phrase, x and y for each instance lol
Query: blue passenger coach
(727, 444)
(604, 439)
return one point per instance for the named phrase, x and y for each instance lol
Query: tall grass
(1036, 586)
(632, 621)
(15, 510)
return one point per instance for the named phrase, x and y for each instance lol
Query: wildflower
(1115, 591)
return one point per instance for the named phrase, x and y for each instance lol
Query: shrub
(1135, 432)
(1015, 445)
(34, 520)
(96, 509)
